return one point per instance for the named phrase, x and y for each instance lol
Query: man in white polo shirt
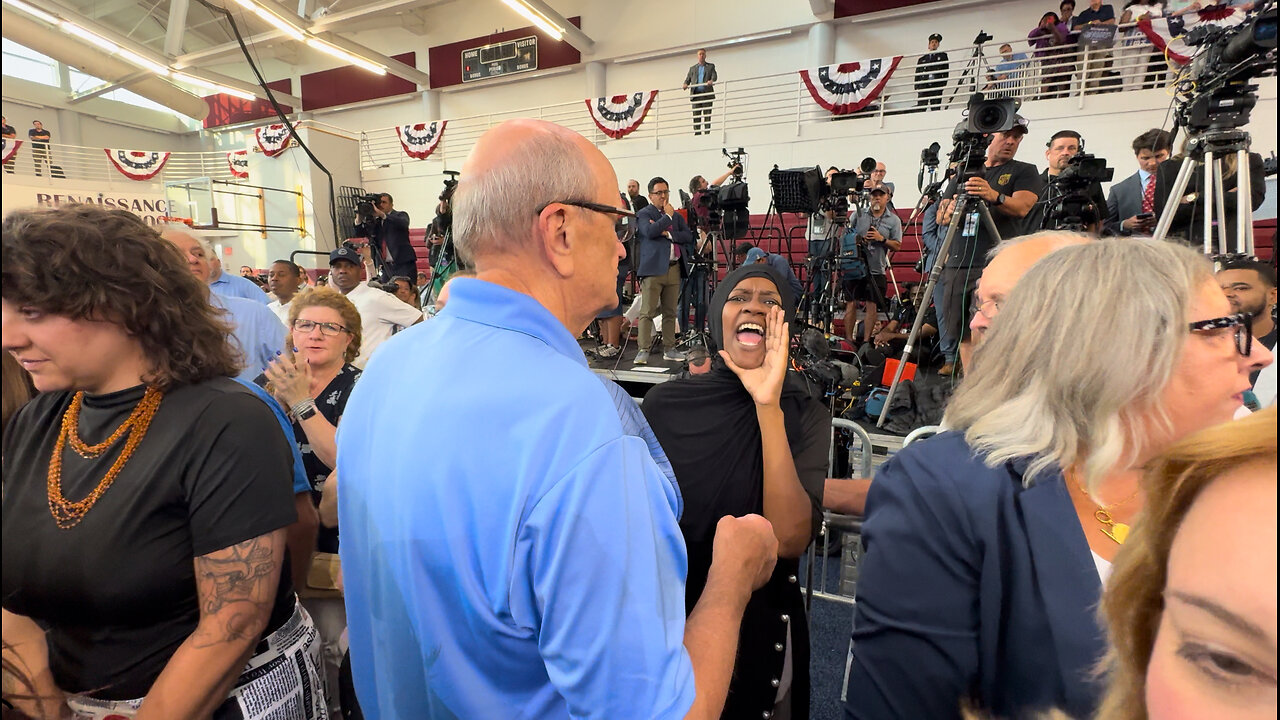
(381, 314)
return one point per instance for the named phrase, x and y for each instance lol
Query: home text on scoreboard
(497, 59)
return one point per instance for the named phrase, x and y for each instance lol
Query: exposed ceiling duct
(88, 59)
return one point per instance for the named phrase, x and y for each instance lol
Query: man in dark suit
(634, 199)
(663, 241)
(700, 82)
(390, 229)
(1135, 195)
(931, 75)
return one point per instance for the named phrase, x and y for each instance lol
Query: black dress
(708, 428)
(330, 403)
(117, 592)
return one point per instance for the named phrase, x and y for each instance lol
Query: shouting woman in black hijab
(747, 438)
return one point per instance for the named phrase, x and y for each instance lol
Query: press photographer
(1008, 187)
(1072, 198)
(387, 230)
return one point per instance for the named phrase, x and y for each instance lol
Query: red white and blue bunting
(420, 140)
(238, 163)
(1167, 33)
(273, 139)
(620, 115)
(849, 87)
(137, 164)
(10, 149)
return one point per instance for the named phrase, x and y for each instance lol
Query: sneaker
(608, 351)
(642, 358)
(674, 355)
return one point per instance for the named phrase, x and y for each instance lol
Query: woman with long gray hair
(987, 546)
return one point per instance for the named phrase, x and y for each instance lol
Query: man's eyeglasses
(982, 306)
(1242, 322)
(596, 207)
(330, 329)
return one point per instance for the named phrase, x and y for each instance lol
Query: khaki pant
(660, 295)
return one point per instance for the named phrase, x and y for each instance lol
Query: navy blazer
(972, 588)
(1123, 202)
(653, 249)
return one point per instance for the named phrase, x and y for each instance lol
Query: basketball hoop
(189, 222)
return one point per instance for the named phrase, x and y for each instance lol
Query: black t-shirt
(331, 403)
(1011, 177)
(117, 592)
(8, 131)
(39, 138)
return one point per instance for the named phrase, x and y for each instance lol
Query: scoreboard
(498, 59)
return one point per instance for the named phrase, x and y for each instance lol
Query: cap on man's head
(882, 189)
(743, 248)
(936, 36)
(754, 255)
(344, 253)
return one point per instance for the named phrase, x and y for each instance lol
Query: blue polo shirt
(228, 285)
(522, 560)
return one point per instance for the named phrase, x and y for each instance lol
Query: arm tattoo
(237, 587)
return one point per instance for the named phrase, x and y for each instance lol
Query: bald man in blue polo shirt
(526, 561)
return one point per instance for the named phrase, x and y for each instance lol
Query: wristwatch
(307, 412)
(999, 199)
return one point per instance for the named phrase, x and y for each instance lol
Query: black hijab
(707, 425)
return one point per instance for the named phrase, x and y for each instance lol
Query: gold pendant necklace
(1117, 531)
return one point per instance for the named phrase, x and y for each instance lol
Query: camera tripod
(820, 301)
(969, 211)
(972, 69)
(701, 282)
(1208, 149)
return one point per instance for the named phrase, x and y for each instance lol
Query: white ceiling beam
(128, 43)
(326, 23)
(395, 67)
(821, 8)
(177, 24)
(107, 87)
(572, 34)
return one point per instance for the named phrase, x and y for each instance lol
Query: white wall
(89, 123)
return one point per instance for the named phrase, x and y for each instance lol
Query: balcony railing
(781, 100)
(90, 164)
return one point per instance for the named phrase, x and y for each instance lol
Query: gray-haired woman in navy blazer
(987, 546)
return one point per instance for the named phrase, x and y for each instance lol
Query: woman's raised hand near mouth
(764, 383)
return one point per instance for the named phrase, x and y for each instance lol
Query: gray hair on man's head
(1056, 240)
(1082, 348)
(494, 211)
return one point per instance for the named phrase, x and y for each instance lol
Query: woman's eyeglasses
(329, 329)
(1242, 322)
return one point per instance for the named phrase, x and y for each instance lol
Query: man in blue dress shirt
(254, 327)
(527, 562)
(228, 285)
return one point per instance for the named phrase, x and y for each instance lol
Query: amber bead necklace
(68, 514)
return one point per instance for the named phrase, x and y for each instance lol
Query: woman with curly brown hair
(313, 379)
(146, 492)
(1191, 605)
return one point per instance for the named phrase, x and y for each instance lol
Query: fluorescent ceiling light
(128, 56)
(536, 18)
(272, 19)
(214, 87)
(32, 11)
(335, 51)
